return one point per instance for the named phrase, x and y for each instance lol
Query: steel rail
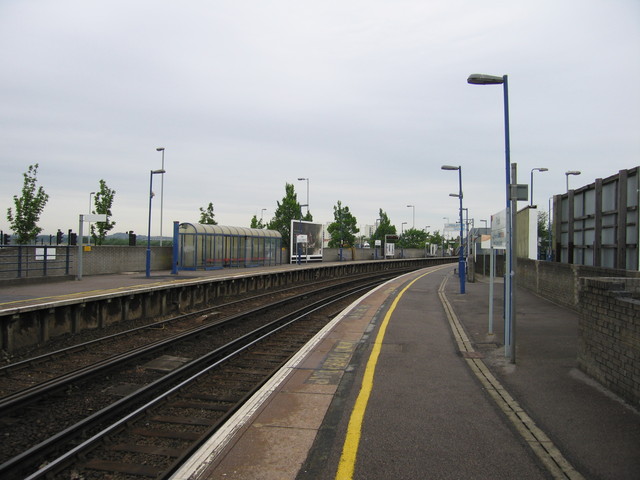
(120, 407)
(20, 398)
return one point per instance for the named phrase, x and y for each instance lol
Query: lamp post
(571, 172)
(509, 299)
(461, 266)
(161, 149)
(153, 172)
(301, 179)
(262, 214)
(541, 169)
(413, 225)
(89, 232)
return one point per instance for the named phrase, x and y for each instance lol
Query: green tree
(343, 229)
(384, 228)
(207, 215)
(256, 223)
(103, 201)
(436, 238)
(544, 235)
(413, 238)
(286, 211)
(28, 208)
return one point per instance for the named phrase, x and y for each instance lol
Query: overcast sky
(367, 99)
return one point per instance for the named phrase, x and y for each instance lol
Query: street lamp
(571, 172)
(414, 215)
(262, 214)
(153, 172)
(301, 179)
(509, 298)
(541, 169)
(161, 149)
(89, 233)
(461, 266)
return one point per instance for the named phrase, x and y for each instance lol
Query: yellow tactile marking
(347, 463)
(543, 447)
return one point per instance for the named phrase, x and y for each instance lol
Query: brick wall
(609, 334)
(560, 282)
(608, 301)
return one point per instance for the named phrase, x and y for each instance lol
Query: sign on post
(499, 229)
(86, 217)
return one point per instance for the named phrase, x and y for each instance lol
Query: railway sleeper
(184, 420)
(146, 449)
(199, 405)
(126, 468)
(154, 432)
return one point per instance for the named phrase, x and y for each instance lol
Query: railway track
(160, 400)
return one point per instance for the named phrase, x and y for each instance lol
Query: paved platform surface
(432, 393)
(23, 294)
(443, 401)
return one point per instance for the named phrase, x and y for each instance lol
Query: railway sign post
(102, 217)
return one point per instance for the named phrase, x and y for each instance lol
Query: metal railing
(33, 261)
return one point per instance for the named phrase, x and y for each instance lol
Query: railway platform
(408, 383)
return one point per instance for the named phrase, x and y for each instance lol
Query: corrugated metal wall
(597, 225)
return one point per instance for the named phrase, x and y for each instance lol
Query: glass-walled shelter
(217, 246)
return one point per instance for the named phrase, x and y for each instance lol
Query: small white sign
(499, 229)
(301, 238)
(98, 217)
(45, 253)
(485, 242)
(390, 249)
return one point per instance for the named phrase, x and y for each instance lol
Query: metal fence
(34, 261)
(597, 225)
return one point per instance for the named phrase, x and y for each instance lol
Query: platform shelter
(217, 246)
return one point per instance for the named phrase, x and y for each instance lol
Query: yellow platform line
(347, 463)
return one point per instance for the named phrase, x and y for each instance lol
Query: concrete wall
(118, 259)
(96, 260)
(111, 259)
(560, 282)
(31, 325)
(527, 233)
(358, 254)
